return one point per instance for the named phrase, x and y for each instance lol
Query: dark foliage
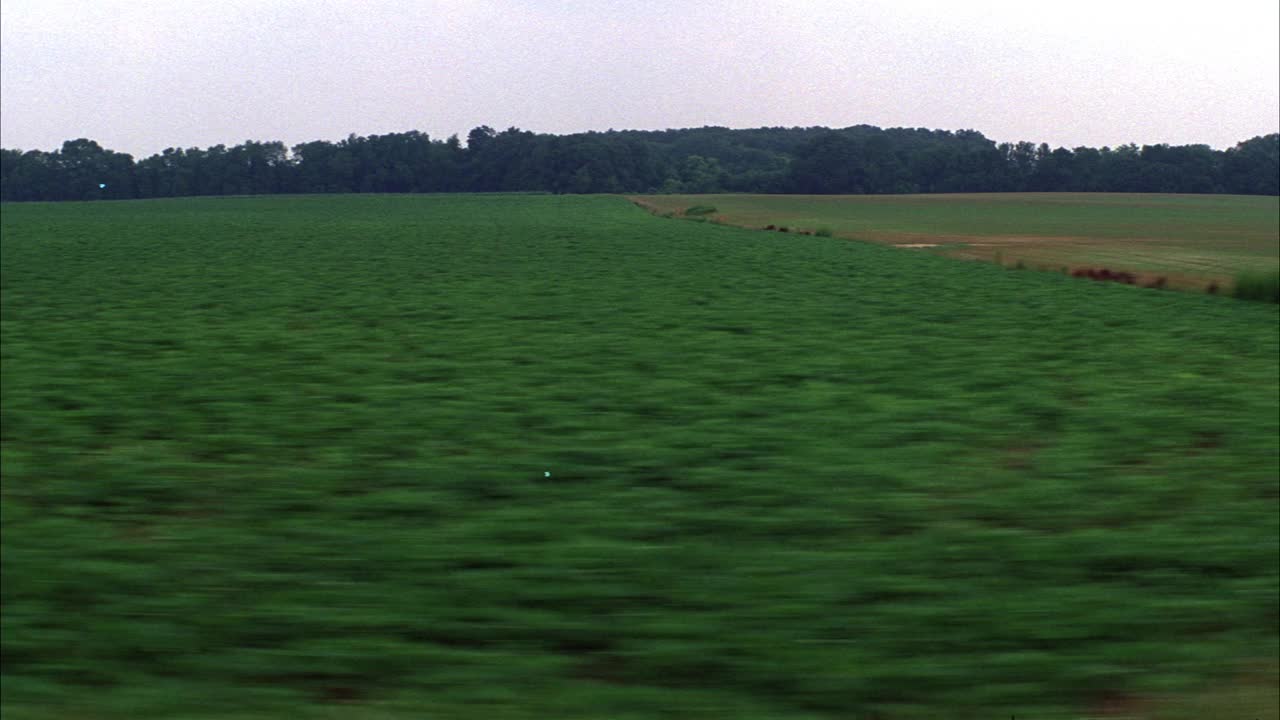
(1264, 287)
(859, 159)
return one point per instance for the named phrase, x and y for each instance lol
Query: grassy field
(395, 457)
(1191, 240)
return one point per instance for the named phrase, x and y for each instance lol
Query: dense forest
(860, 159)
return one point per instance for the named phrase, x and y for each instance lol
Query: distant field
(1192, 240)
(396, 457)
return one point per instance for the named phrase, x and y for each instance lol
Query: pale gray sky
(139, 76)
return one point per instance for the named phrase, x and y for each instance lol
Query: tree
(857, 159)
(1253, 166)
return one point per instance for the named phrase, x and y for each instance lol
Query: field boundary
(1146, 260)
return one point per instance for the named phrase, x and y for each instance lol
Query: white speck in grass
(102, 186)
(546, 474)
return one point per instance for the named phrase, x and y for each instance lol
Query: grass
(1192, 240)
(270, 457)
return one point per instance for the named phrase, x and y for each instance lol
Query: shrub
(700, 210)
(1263, 287)
(823, 232)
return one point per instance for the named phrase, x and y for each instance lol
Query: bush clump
(1263, 287)
(700, 210)
(823, 232)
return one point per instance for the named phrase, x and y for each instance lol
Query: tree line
(862, 160)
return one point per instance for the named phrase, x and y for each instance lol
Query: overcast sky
(139, 76)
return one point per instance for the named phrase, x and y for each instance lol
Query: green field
(1191, 240)
(396, 457)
